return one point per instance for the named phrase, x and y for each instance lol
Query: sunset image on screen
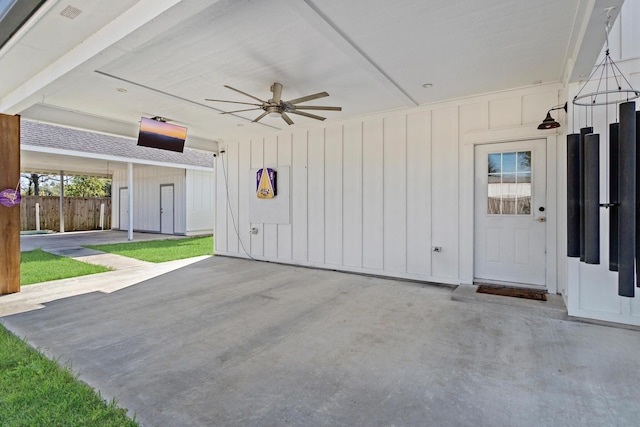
(165, 136)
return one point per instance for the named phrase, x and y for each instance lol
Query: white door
(510, 216)
(124, 209)
(166, 209)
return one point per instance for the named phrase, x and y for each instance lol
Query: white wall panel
(220, 231)
(372, 194)
(352, 195)
(333, 195)
(199, 205)
(257, 162)
(418, 194)
(315, 194)
(284, 230)
(505, 112)
(233, 182)
(395, 193)
(474, 117)
(270, 230)
(299, 196)
(444, 191)
(244, 191)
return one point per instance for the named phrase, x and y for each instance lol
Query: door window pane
(509, 183)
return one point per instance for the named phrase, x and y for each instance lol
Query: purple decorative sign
(10, 197)
(266, 183)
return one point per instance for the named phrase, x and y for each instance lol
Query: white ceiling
(370, 55)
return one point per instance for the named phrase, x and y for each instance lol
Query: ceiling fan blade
(260, 117)
(233, 102)
(276, 88)
(287, 118)
(244, 93)
(302, 113)
(308, 97)
(317, 107)
(239, 111)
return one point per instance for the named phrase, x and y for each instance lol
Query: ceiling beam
(332, 33)
(134, 18)
(592, 38)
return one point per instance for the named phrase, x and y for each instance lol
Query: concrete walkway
(233, 342)
(127, 271)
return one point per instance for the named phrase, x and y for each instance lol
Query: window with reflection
(509, 183)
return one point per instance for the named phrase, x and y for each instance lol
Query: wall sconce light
(549, 122)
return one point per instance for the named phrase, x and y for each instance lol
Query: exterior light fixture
(549, 122)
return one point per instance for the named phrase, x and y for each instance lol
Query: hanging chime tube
(627, 210)
(613, 196)
(583, 132)
(573, 195)
(592, 198)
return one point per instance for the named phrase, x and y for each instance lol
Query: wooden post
(9, 216)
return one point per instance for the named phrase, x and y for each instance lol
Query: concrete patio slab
(233, 342)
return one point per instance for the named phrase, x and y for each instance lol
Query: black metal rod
(613, 196)
(583, 132)
(637, 198)
(592, 198)
(627, 210)
(573, 195)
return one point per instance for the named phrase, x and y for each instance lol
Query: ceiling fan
(276, 106)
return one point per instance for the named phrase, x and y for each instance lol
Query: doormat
(513, 292)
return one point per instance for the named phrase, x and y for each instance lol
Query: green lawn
(161, 250)
(35, 391)
(39, 266)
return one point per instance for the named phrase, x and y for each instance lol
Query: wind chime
(583, 183)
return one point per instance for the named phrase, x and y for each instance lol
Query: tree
(81, 186)
(39, 183)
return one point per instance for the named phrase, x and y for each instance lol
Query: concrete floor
(232, 342)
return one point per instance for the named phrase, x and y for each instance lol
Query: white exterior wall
(374, 194)
(199, 202)
(146, 197)
(593, 289)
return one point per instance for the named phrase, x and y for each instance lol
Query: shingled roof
(61, 138)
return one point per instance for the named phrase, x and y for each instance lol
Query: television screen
(165, 136)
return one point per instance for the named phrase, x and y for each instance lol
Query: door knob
(541, 219)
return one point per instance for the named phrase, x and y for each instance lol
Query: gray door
(166, 209)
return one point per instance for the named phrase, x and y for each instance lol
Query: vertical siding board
(333, 195)
(372, 194)
(284, 230)
(244, 192)
(418, 193)
(270, 230)
(315, 182)
(352, 195)
(299, 195)
(233, 156)
(257, 162)
(395, 194)
(444, 190)
(220, 237)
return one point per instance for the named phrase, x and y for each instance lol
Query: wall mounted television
(161, 135)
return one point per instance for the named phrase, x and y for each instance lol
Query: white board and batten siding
(375, 194)
(193, 204)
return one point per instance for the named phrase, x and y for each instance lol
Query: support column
(130, 201)
(9, 216)
(62, 201)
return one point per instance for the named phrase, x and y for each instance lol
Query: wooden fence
(80, 213)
